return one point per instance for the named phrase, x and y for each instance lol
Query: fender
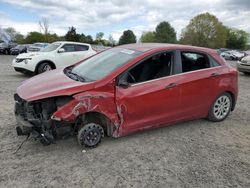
(93, 101)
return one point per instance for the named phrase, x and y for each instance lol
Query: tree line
(203, 30)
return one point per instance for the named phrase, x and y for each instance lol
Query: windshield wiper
(75, 76)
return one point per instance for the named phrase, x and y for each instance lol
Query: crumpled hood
(50, 84)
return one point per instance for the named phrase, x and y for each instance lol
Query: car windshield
(51, 47)
(102, 64)
(38, 44)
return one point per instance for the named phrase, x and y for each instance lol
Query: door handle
(215, 75)
(172, 85)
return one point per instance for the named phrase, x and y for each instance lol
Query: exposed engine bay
(34, 118)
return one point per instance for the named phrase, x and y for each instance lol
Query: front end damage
(50, 118)
(34, 118)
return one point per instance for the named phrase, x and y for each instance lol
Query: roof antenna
(19, 147)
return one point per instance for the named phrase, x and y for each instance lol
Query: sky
(114, 16)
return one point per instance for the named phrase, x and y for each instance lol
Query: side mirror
(124, 84)
(61, 50)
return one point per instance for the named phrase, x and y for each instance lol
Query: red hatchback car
(126, 89)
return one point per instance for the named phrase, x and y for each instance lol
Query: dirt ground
(191, 154)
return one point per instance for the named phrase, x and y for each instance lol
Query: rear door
(152, 97)
(198, 82)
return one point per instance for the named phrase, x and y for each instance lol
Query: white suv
(56, 55)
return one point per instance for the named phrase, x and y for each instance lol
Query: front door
(152, 96)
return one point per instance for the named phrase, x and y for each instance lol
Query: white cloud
(146, 14)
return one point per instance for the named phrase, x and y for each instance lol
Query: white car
(244, 65)
(56, 55)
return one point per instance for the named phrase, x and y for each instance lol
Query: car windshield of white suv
(51, 47)
(102, 64)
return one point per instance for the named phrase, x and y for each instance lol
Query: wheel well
(233, 99)
(99, 118)
(45, 61)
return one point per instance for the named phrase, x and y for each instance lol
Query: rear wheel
(221, 108)
(44, 67)
(90, 135)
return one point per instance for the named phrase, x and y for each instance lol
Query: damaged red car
(126, 89)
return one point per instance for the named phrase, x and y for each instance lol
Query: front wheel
(221, 108)
(90, 135)
(44, 67)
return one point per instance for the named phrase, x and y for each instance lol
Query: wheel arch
(233, 99)
(99, 118)
(45, 61)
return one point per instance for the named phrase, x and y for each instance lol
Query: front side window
(157, 66)
(192, 61)
(69, 47)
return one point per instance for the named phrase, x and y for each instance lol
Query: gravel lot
(191, 154)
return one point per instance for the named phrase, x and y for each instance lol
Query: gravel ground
(191, 154)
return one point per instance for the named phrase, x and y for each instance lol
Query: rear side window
(79, 47)
(192, 61)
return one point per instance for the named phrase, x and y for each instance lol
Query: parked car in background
(127, 89)
(222, 50)
(5, 48)
(56, 55)
(232, 55)
(228, 56)
(244, 65)
(22, 48)
(36, 47)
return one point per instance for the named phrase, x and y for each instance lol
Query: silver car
(244, 65)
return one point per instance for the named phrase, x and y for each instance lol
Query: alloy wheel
(222, 107)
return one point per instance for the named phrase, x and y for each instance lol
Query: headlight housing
(25, 60)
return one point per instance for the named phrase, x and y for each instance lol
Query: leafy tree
(236, 39)
(127, 37)
(33, 37)
(204, 30)
(99, 36)
(89, 39)
(99, 39)
(148, 37)
(71, 35)
(52, 37)
(19, 38)
(165, 33)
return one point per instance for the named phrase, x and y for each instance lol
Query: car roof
(71, 42)
(143, 47)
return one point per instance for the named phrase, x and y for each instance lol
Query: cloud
(119, 15)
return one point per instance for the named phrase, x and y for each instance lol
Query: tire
(6, 52)
(90, 135)
(44, 67)
(246, 73)
(220, 108)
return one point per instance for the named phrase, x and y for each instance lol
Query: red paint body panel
(143, 105)
(50, 84)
